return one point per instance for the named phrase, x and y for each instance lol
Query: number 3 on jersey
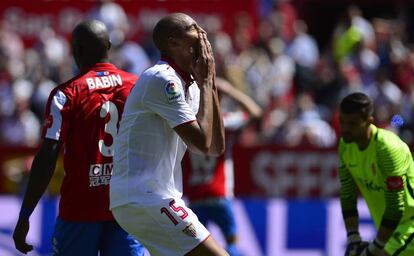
(110, 127)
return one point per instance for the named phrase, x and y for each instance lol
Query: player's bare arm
(40, 174)
(218, 141)
(198, 134)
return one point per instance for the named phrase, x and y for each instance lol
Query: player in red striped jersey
(209, 181)
(82, 115)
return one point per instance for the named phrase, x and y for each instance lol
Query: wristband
(25, 213)
(353, 237)
(374, 248)
(351, 233)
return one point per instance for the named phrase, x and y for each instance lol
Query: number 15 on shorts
(174, 211)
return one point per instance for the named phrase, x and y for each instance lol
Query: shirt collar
(183, 74)
(103, 65)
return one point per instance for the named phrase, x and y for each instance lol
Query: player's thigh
(167, 228)
(401, 242)
(116, 241)
(208, 247)
(223, 215)
(76, 238)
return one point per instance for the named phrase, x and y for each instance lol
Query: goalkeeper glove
(354, 244)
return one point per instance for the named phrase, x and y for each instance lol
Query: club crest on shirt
(172, 91)
(190, 230)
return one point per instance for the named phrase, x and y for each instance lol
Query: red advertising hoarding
(28, 18)
(266, 171)
(285, 172)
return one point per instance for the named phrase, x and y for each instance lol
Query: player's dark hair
(169, 26)
(90, 41)
(357, 102)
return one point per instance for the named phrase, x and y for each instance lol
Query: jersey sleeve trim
(58, 101)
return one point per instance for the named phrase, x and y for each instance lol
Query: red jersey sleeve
(57, 115)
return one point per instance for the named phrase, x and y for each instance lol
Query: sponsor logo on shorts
(190, 230)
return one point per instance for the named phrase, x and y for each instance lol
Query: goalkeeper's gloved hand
(354, 245)
(373, 249)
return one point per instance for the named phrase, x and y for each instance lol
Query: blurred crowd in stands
(275, 60)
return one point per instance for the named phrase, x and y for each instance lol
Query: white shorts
(168, 228)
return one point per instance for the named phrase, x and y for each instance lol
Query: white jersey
(148, 152)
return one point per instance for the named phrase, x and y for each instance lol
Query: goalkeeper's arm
(348, 197)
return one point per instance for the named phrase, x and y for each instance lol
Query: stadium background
(295, 58)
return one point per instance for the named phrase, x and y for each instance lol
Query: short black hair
(357, 102)
(169, 26)
(92, 37)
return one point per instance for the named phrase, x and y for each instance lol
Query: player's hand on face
(20, 234)
(203, 65)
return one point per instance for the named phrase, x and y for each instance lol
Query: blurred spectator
(131, 57)
(387, 98)
(243, 34)
(284, 16)
(43, 85)
(114, 17)
(22, 128)
(54, 47)
(304, 126)
(303, 48)
(273, 59)
(281, 69)
(362, 25)
(347, 37)
(329, 84)
(126, 54)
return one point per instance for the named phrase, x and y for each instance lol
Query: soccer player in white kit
(174, 105)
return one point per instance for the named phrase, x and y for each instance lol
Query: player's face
(188, 43)
(353, 127)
